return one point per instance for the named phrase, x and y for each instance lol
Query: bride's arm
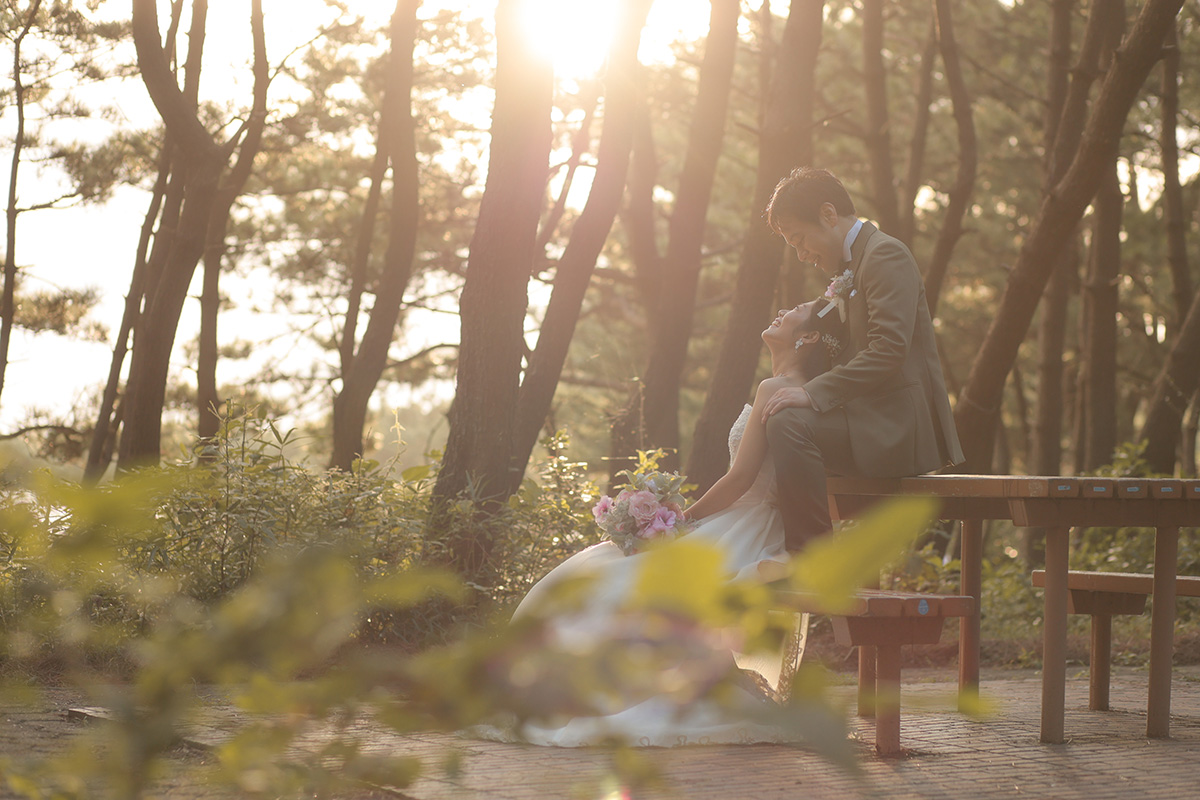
(746, 463)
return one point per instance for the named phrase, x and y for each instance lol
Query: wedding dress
(747, 532)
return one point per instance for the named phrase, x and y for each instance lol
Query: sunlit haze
(575, 34)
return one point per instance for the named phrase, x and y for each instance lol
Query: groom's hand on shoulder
(790, 397)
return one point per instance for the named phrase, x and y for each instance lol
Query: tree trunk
(1052, 329)
(1176, 384)
(878, 137)
(1173, 212)
(165, 200)
(199, 165)
(1100, 342)
(478, 461)
(920, 134)
(653, 409)
(1191, 427)
(1021, 401)
(580, 143)
(361, 257)
(104, 432)
(8, 306)
(574, 270)
(1100, 297)
(398, 139)
(785, 140)
(1061, 210)
(1052, 337)
(964, 183)
(1069, 128)
(640, 216)
(208, 402)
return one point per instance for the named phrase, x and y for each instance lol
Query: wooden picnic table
(1055, 505)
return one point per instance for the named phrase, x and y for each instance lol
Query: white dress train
(748, 532)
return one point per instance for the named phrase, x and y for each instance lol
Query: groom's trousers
(805, 445)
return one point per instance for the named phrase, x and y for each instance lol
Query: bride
(583, 604)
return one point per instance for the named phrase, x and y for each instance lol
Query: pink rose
(664, 520)
(601, 509)
(643, 505)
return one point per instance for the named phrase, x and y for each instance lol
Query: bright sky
(95, 246)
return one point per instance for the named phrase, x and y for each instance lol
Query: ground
(950, 756)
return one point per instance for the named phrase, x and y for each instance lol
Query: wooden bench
(883, 621)
(1103, 595)
(1053, 505)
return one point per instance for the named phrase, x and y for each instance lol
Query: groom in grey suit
(882, 409)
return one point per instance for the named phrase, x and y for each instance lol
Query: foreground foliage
(245, 577)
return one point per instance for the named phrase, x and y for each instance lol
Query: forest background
(531, 211)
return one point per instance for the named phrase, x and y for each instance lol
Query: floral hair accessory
(833, 345)
(839, 289)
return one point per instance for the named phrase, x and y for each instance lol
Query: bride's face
(788, 323)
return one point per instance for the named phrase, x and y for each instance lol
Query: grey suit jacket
(889, 379)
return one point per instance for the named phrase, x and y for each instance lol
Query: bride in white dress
(738, 517)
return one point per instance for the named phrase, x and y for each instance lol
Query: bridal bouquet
(648, 507)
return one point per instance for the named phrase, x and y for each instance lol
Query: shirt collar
(851, 235)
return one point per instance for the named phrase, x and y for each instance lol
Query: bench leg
(1162, 633)
(866, 681)
(1100, 666)
(887, 699)
(970, 583)
(1054, 635)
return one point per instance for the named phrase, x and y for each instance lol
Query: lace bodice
(763, 489)
(737, 431)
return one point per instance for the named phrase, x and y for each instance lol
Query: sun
(574, 34)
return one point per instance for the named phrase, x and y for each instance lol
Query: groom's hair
(800, 196)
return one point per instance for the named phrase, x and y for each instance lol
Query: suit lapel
(856, 306)
(860, 245)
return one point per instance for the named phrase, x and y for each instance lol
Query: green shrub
(246, 575)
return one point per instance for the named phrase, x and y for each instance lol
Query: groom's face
(816, 242)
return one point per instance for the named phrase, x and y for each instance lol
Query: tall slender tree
(396, 145)
(1100, 295)
(978, 404)
(964, 181)
(651, 415)
(1177, 382)
(208, 402)
(574, 269)
(878, 130)
(478, 463)
(1052, 327)
(200, 162)
(1174, 215)
(8, 305)
(1169, 403)
(784, 141)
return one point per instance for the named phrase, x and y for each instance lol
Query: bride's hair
(820, 356)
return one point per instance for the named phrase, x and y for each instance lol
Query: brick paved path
(951, 756)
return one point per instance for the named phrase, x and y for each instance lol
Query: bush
(248, 575)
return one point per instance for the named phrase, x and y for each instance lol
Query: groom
(882, 410)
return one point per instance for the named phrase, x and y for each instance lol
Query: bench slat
(881, 603)
(1166, 489)
(1129, 582)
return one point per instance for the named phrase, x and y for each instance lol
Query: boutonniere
(840, 289)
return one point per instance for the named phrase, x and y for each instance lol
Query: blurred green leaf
(834, 567)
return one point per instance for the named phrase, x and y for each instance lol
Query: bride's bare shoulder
(770, 386)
